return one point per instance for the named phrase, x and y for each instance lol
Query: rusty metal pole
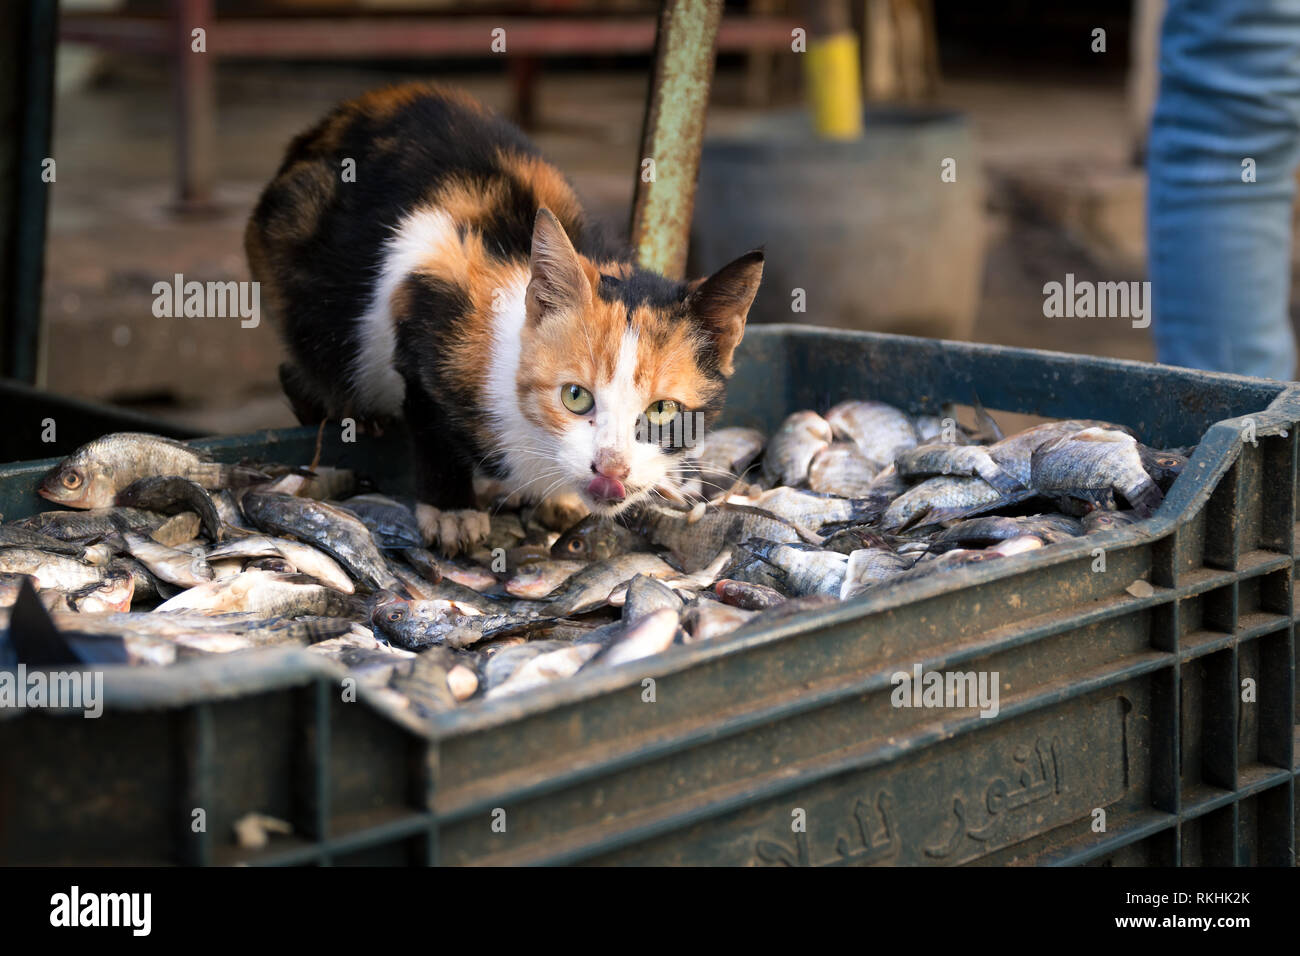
(669, 162)
(196, 112)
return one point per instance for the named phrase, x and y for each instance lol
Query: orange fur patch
(584, 349)
(546, 183)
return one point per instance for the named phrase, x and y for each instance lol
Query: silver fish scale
(880, 431)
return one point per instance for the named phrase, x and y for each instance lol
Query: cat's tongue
(606, 489)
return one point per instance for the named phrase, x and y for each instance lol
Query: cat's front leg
(444, 482)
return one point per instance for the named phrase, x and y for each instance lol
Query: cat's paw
(452, 532)
(561, 512)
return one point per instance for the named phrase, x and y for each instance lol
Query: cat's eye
(577, 399)
(661, 412)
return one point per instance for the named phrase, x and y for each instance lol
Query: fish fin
(1001, 481)
(238, 476)
(1145, 499)
(984, 421)
(1006, 501)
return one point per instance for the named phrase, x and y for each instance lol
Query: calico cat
(454, 282)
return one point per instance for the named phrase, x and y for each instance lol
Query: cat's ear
(720, 303)
(559, 282)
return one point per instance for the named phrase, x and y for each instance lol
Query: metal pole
(196, 112)
(672, 133)
(27, 35)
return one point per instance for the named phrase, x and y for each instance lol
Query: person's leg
(1220, 247)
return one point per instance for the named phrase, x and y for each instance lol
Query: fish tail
(1003, 482)
(238, 476)
(1145, 497)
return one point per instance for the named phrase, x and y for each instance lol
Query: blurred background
(1044, 128)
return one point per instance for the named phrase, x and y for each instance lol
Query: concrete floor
(112, 235)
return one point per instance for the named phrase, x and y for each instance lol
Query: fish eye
(396, 614)
(1167, 462)
(577, 399)
(661, 412)
(72, 479)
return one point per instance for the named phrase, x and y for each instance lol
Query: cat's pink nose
(604, 488)
(611, 465)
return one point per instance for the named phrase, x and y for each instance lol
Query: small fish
(805, 569)
(266, 593)
(16, 536)
(303, 557)
(93, 524)
(424, 562)
(537, 579)
(336, 532)
(748, 596)
(927, 461)
(643, 638)
(707, 620)
(170, 495)
(93, 475)
(792, 449)
(56, 572)
(645, 595)
(841, 469)
(1164, 467)
(545, 669)
(749, 568)
(880, 431)
(938, 499)
(869, 567)
(697, 543)
(592, 586)
(182, 568)
(114, 593)
(503, 664)
(1090, 466)
(416, 625)
(1015, 452)
(992, 529)
(392, 524)
(684, 581)
(472, 576)
(721, 458)
(597, 539)
(426, 683)
(806, 509)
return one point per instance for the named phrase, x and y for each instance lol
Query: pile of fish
(160, 554)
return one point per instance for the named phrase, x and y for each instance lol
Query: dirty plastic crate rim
(203, 680)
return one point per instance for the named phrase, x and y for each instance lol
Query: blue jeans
(1220, 247)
